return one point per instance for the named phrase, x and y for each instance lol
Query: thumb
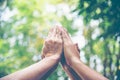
(76, 45)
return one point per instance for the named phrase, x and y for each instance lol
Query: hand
(70, 51)
(53, 44)
(48, 51)
(63, 61)
(70, 72)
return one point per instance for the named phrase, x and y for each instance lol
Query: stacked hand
(58, 47)
(53, 44)
(59, 41)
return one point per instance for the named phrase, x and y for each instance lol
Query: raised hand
(70, 50)
(53, 44)
(52, 47)
(51, 54)
(70, 72)
(73, 60)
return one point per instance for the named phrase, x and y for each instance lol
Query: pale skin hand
(44, 55)
(70, 53)
(38, 70)
(71, 73)
(53, 44)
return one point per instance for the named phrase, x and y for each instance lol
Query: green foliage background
(22, 35)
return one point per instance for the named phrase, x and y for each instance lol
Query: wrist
(74, 61)
(54, 57)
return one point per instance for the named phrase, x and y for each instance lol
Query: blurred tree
(107, 43)
(24, 25)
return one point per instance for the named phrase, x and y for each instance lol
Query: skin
(53, 44)
(58, 40)
(33, 72)
(70, 72)
(72, 59)
(44, 55)
(51, 58)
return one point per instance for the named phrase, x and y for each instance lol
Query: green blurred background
(93, 24)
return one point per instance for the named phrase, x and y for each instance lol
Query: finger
(42, 56)
(54, 32)
(65, 36)
(50, 32)
(59, 32)
(66, 32)
(76, 44)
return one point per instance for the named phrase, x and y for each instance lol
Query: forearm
(68, 73)
(33, 72)
(71, 73)
(85, 72)
(44, 77)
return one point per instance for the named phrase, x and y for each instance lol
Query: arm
(49, 72)
(33, 72)
(84, 71)
(70, 72)
(53, 33)
(52, 56)
(73, 60)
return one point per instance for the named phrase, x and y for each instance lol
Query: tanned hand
(70, 51)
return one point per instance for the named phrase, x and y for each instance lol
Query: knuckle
(48, 41)
(45, 42)
(55, 41)
(58, 41)
(68, 44)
